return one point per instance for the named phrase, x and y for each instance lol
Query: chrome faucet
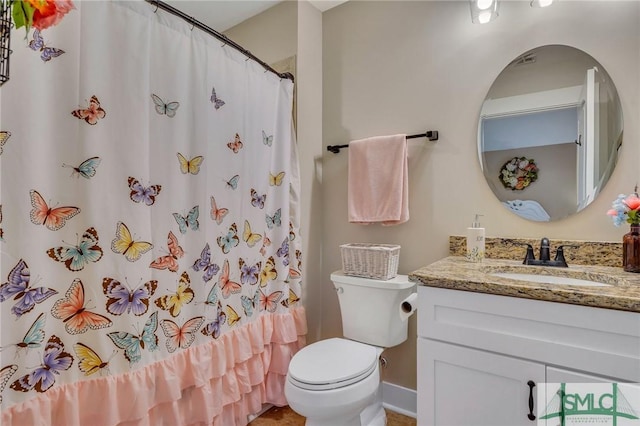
(545, 260)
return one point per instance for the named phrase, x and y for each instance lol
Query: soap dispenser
(475, 241)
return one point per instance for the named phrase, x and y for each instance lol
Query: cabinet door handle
(531, 385)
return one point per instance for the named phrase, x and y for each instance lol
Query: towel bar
(432, 135)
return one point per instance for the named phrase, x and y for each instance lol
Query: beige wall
(411, 66)
(309, 83)
(271, 35)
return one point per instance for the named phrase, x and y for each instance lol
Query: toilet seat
(332, 364)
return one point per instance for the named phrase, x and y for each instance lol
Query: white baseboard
(400, 399)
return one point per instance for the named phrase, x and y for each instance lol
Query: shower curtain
(150, 254)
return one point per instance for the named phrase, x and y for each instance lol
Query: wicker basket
(378, 261)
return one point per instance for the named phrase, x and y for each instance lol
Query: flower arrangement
(626, 208)
(39, 14)
(518, 173)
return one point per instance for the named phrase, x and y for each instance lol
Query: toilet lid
(333, 362)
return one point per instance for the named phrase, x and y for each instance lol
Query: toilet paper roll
(408, 306)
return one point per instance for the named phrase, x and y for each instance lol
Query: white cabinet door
(459, 386)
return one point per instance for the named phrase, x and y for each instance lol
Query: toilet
(336, 382)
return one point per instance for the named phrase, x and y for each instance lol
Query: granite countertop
(455, 272)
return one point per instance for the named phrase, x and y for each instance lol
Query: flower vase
(631, 249)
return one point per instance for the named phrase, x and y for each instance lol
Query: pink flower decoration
(612, 212)
(49, 12)
(633, 202)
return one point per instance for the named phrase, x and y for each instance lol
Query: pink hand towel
(378, 187)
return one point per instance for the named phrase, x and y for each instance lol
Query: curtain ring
(193, 23)
(157, 5)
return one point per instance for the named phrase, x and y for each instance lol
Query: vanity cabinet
(463, 386)
(481, 357)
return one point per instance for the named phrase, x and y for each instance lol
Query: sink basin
(549, 279)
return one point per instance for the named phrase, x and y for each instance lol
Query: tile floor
(285, 416)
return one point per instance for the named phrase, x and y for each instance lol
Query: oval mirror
(549, 132)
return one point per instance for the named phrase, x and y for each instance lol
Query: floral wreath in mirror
(518, 173)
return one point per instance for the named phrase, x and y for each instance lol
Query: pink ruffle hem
(219, 383)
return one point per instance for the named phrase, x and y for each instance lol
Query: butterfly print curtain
(150, 260)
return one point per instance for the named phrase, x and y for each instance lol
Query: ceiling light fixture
(541, 3)
(483, 11)
(484, 4)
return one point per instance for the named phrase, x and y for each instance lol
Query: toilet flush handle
(339, 290)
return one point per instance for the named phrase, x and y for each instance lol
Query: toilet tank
(371, 308)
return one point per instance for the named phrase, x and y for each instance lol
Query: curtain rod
(226, 40)
(432, 135)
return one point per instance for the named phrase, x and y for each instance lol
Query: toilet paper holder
(408, 306)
